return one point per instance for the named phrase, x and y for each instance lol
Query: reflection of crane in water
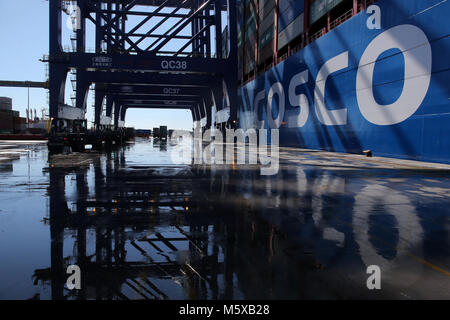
(148, 243)
(157, 232)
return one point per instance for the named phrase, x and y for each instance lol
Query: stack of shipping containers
(240, 21)
(290, 20)
(266, 16)
(250, 35)
(256, 29)
(10, 121)
(320, 8)
(6, 115)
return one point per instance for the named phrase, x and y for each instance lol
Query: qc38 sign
(174, 65)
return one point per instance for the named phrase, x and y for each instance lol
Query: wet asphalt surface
(142, 227)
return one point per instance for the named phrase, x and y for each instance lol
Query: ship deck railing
(307, 39)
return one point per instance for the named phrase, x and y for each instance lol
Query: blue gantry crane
(170, 56)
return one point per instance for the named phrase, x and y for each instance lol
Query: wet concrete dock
(141, 227)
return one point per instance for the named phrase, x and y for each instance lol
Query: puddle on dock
(142, 227)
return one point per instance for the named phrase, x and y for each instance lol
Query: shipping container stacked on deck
(250, 35)
(256, 27)
(290, 21)
(266, 17)
(240, 21)
(287, 24)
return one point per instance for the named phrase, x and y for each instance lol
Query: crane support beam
(154, 90)
(150, 78)
(142, 62)
(24, 84)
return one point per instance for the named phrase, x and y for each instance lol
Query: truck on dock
(65, 133)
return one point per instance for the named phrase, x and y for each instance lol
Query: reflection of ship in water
(143, 232)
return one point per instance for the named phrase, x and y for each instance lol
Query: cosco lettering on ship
(417, 55)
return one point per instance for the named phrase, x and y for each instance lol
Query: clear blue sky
(24, 40)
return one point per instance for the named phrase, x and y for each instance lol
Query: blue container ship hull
(358, 88)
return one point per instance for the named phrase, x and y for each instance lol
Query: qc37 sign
(174, 65)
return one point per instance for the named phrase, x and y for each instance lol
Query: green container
(266, 37)
(250, 29)
(321, 7)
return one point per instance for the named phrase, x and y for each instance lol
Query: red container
(266, 52)
(20, 124)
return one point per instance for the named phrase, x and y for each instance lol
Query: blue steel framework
(128, 74)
